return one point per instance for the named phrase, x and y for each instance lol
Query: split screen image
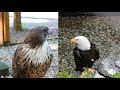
(73, 45)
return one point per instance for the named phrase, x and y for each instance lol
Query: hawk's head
(36, 36)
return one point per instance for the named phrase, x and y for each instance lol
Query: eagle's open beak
(73, 40)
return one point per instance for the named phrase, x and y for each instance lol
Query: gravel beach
(104, 31)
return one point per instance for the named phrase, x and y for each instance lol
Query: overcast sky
(38, 14)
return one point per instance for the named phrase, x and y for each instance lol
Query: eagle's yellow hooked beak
(73, 40)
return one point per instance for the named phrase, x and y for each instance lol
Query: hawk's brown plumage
(33, 58)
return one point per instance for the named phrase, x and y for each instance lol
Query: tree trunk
(17, 21)
(6, 28)
(1, 28)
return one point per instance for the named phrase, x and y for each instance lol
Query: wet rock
(117, 63)
(4, 70)
(110, 65)
(117, 60)
(9, 63)
(97, 75)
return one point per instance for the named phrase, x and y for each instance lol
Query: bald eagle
(33, 57)
(85, 54)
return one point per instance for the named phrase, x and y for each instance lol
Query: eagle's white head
(82, 42)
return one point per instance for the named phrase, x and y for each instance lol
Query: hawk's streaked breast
(37, 55)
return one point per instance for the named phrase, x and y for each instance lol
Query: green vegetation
(117, 75)
(24, 25)
(66, 74)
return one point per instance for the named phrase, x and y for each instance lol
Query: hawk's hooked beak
(49, 33)
(73, 40)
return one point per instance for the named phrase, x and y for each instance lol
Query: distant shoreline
(34, 22)
(36, 18)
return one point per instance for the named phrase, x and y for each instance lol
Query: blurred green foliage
(67, 74)
(117, 75)
(24, 25)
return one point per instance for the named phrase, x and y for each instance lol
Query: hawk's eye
(45, 31)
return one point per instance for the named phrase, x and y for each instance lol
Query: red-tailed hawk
(33, 57)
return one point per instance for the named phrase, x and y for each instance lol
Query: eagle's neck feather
(38, 55)
(84, 46)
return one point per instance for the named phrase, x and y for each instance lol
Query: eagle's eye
(76, 39)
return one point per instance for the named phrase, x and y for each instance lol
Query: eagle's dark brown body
(27, 62)
(84, 58)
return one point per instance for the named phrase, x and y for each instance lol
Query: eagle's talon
(82, 75)
(91, 70)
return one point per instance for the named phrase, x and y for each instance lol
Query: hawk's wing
(18, 62)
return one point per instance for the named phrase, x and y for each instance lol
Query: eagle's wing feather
(97, 53)
(95, 50)
(77, 58)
